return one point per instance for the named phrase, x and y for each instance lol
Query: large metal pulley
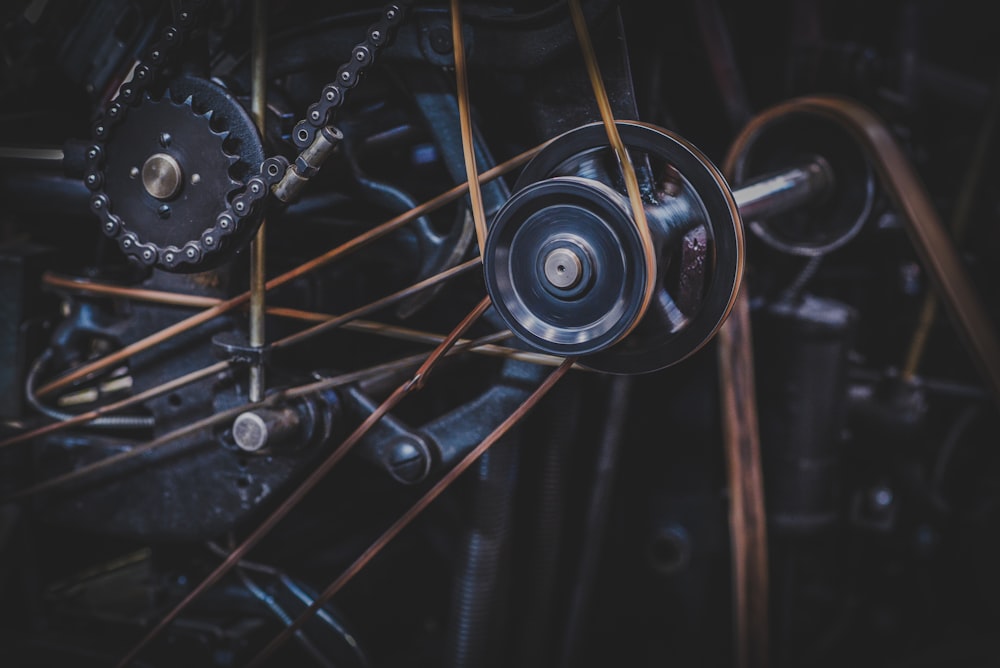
(565, 265)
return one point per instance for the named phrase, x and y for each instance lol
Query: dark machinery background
(596, 532)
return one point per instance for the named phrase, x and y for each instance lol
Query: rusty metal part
(624, 161)
(414, 510)
(416, 382)
(930, 238)
(87, 371)
(747, 519)
(465, 122)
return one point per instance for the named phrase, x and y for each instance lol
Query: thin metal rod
(624, 161)
(86, 286)
(415, 510)
(336, 321)
(24, 157)
(151, 393)
(348, 321)
(125, 455)
(462, 345)
(286, 506)
(465, 121)
(258, 247)
(87, 371)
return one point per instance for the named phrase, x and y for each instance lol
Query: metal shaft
(23, 157)
(779, 192)
(258, 248)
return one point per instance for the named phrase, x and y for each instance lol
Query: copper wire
(465, 121)
(624, 161)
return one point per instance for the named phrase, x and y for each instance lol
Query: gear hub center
(162, 176)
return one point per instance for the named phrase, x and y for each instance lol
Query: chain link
(234, 214)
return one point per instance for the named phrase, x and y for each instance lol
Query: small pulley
(565, 265)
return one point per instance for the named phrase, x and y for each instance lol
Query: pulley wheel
(564, 265)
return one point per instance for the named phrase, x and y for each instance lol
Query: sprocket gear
(168, 171)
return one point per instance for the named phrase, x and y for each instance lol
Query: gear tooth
(189, 101)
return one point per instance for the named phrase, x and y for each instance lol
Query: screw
(133, 173)
(165, 139)
(407, 460)
(881, 497)
(440, 38)
(164, 211)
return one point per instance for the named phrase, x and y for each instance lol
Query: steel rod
(783, 191)
(258, 247)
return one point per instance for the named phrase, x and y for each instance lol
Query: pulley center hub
(563, 268)
(162, 176)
